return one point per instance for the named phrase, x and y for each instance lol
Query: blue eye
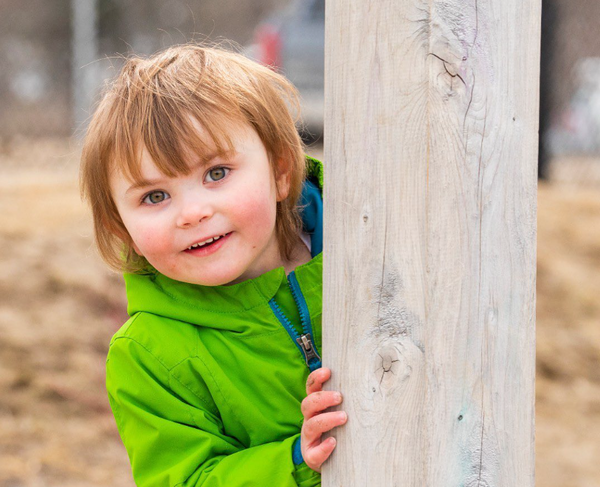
(216, 174)
(155, 197)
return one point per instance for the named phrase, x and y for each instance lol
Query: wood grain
(430, 240)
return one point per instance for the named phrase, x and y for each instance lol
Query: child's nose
(193, 212)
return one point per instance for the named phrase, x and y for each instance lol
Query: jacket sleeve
(171, 442)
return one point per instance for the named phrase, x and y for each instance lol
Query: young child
(202, 195)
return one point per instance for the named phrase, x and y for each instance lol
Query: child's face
(233, 198)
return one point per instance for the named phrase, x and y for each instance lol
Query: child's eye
(216, 174)
(155, 197)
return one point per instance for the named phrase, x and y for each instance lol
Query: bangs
(177, 135)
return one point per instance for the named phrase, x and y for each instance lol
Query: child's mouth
(208, 247)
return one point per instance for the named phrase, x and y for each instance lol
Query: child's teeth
(200, 244)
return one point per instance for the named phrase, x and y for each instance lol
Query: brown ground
(59, 307)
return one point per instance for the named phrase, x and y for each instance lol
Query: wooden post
(430, 240)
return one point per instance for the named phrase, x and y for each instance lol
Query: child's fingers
(313, 428)
(315, 380)
(315, 456)
(319, 401)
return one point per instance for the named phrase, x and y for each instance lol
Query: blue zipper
(304, 342)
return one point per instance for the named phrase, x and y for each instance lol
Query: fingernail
(337, 397)
(342, 415)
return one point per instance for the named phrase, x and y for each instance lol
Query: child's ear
(283, 180)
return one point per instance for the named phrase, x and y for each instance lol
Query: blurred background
(59, 305)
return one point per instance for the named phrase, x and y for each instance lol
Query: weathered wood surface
(430, 240)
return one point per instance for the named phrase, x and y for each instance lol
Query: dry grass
(568, 337)
(59, 307)
(58, 310)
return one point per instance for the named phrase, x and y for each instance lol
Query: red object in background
(269, 45)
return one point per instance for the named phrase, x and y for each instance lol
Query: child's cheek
(152, 242)
(256, 214)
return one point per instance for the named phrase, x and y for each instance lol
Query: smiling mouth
(207, 243)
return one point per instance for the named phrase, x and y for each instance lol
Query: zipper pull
(310, 353)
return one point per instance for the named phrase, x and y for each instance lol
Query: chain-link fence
(48, 78)
(54, 55)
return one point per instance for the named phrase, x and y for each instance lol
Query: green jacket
(205, 383)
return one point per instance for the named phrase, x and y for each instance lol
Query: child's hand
(316, 422)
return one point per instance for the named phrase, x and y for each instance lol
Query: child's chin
(217, 280)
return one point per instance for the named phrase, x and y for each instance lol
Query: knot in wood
(387, 358)
(387, 362)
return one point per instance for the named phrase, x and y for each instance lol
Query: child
(201, 193)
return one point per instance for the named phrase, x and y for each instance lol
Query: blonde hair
(156, 103)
